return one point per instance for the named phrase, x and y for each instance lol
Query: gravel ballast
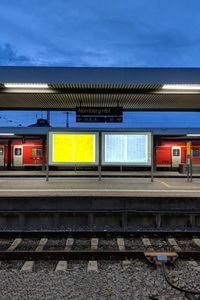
(136, 280)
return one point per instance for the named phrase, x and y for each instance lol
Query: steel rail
(99, 234)
(107, 211)
(85, 255)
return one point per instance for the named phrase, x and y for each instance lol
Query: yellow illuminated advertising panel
(73, 148)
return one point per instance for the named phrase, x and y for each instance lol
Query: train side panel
(19, 154)
(3, 153)
(170, 154)
(163, 156)
(196, 153)
(32, 154)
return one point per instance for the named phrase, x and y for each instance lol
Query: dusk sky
(130, 33)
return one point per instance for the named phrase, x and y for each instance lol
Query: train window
(36, 152)
(176, 152)
(18, 151)
(1, 151)
(195, 152)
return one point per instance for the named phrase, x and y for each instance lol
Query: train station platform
(81, 173)
(92, 187)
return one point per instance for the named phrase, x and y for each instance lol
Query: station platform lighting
(193, 134)
(66, 88)
(26, 85)
(181, 87)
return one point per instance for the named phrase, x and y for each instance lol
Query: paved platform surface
(107, 187)
(60, 173)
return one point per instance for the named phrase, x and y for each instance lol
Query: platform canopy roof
(135, 89)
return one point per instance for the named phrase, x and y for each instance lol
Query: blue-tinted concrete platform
(107, 187)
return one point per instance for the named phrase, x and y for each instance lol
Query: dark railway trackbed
(87, 255)
(98, 234)
(64, 254)
(121, 253)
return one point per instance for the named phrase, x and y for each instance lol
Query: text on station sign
(99, 111)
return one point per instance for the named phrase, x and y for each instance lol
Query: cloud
(104, 33)
(9, 57)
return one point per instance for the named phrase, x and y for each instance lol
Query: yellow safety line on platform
(164, 183)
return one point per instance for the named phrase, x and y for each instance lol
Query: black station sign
(117, 119)
(99, 111)
(99, 114)
(97, 119)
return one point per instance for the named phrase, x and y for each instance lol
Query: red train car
(173, 154)
(14, 153)
(170, 154)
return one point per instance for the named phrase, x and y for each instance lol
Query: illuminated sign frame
(50, 149)
(114, 163)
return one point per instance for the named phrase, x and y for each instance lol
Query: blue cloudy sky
(129, 33)
(142, 33)
(131, 119)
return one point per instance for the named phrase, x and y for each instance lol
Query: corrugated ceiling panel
(105, 86)
(128, 101)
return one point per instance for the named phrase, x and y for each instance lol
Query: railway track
(98, 233)
(89, 250)
(99, 245)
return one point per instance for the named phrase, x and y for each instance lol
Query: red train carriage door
(176, 156)
(17, 156)
(2, 156)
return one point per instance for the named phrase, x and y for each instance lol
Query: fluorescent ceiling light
(193, 134)
(27, 85)
(181, 87)
(7, 134)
